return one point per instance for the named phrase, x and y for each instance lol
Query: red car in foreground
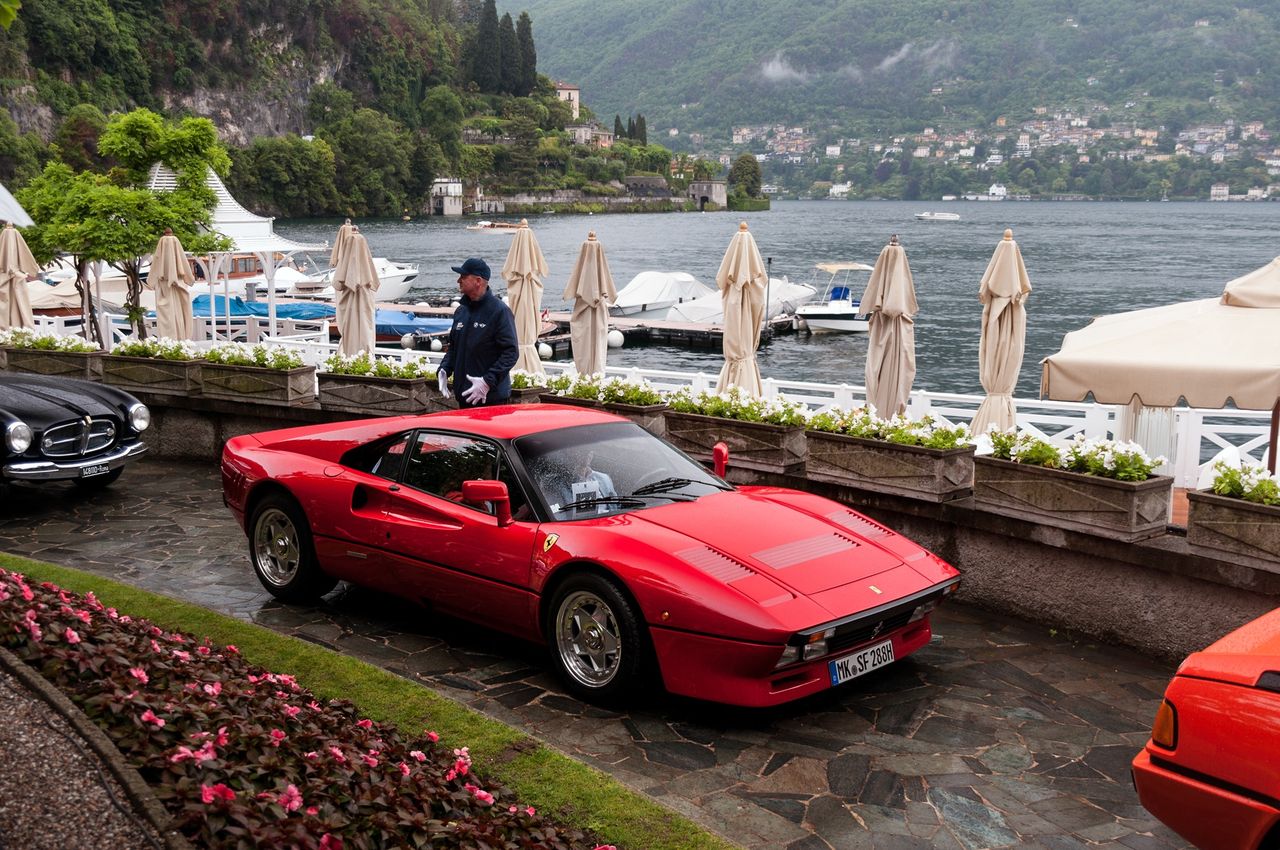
(1211, 770)
(579, 529)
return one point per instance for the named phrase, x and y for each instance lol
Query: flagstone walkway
(998, 734)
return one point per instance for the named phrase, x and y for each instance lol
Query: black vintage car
(61, 429)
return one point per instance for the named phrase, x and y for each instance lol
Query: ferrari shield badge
(549, 541)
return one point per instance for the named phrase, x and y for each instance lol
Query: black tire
(282, 552)
(98, 482)
(598, 643)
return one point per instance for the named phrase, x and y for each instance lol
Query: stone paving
(998, 734)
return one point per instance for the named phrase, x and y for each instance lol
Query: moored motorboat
(837, 309)
(652, 294)
(784, 297)
(937, 216)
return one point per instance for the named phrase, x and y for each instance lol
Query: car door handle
(394, 488)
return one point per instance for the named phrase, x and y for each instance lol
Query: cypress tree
(528, 55)
(618, 131)
(486, 59)
(631, 127)
(508, 56)
(642, 132)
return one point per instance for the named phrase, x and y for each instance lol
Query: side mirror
(490, 491)
(720, 458)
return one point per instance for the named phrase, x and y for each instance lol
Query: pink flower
(432, 736)
(276, 737)
(337, 754)
(149, 716)
(203, 650)
(313, 810)
(177, 638)
(330, 842)
(206, 752)
(92, 601)
(113, 613)
(418, 754)
(369, 760)
(480, 794)
(530, 811)
(221, 740)
(182, 754)
(291, 711)
(253, 680)
(84, 616)
(231, 647)
(311, 756)
(450, 776)
(156, 631)
(36, 634)
(404, 769)
(291, 799)
(155, 647)
(216, 792)
(139, 674)
(213, 688)
(71, 636)
(313, 705)
(364, 724)
(460, 768)
(27, 595)
(182, 655)
(604, 847)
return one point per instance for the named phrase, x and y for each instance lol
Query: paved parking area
(998, 734)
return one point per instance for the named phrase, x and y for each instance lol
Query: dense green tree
(528, 56)
(485, 60)
(631, 127)
(77, 138)
(329, 104)
(442, 116)
(744, 176)
(641, 133)
(286, 176)
(618, 130)
(372, 163)
(508, 56)
(21, 154)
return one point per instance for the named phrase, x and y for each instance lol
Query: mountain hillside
(862, 66)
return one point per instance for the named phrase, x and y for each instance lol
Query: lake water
(1083, 260)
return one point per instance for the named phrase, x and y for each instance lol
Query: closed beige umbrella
(742, 280)
(171, 279)
(890, 299)
(591, 290)
(340, 243)
(1003, 291)
(524, 272)
(355, 283)
(16, 264)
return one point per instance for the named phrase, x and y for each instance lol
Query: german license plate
(860, 662)
(96, 469)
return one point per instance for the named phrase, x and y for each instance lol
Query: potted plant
(45, 353)
(377, 386)
(528, 387)
(1239, 514)
(1100, 486)
(918, 458)
(578, 390)
(155, 365)
(766, 435)
(266, 374)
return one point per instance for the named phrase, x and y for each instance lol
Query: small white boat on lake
(937, 216)
(784, 297)
(837, 310)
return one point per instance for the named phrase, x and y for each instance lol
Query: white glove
(478, 392)
(442, 378)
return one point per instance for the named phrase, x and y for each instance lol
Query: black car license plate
(96, 469)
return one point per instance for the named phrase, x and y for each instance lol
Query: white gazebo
(250, 234)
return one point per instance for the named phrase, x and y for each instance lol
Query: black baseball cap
(473, 265)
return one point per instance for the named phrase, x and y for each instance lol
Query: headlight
(139, 417)
(18, 437)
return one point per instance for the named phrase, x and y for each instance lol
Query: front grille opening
(863, 632)
(79, 438)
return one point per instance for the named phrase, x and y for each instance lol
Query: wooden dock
(637, 331)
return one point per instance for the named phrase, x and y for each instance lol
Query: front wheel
(282, 553)
(598, 644)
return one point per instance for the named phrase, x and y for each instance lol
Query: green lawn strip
(540, 776)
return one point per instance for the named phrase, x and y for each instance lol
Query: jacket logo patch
(479, 325)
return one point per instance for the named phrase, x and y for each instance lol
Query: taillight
(1164, 731)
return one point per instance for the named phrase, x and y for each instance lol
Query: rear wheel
(282, 552)
(598, 643)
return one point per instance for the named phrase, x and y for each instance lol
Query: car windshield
(592, 470)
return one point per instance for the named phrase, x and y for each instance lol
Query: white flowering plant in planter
(522, 380)
(1251, 482)
(607, 390)
(262, 356)
(366, 365)
(29, 339)
(735, 404)
(157, 348)
(901, 430)
(1116, 459)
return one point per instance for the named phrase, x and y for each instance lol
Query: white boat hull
(832, 317)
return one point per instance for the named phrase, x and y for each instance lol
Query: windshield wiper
(662, 486)
(603, 500)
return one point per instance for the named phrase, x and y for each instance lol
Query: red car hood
(1240, 657)
(805, 553)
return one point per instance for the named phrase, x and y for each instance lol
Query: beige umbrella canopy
(591, 290)
(1003, 291)
(355, 282)
(340, 243)
(171, 278)
(524, 272)
(16, 264)
(890, 299)
(742, 280)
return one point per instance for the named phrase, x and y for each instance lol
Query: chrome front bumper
(48, 470)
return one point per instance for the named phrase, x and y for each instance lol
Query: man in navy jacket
(482, 342)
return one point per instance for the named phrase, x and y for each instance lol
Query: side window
(520, 507)
(439, 463)
(384, 458)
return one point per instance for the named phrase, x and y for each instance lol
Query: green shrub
(363, 364)
(264, 356)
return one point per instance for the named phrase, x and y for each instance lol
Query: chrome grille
(78, 438)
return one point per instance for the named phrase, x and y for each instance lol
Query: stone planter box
(152, 375)
(752, 445)
(259, 385)
(85, 365)
(374, 396)
(527, 395)
(552, 398)
(1220, 525)
(1121, 510)
(651, 417)
(931, 475)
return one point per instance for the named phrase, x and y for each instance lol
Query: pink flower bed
(241, 756)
